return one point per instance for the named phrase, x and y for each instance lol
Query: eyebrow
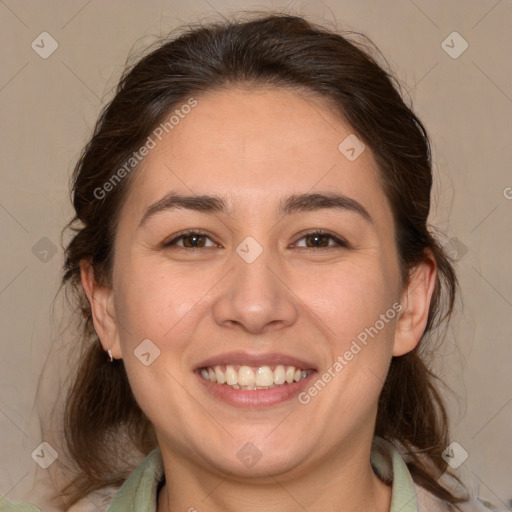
(293, 204)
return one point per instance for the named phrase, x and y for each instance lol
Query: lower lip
(255, 397)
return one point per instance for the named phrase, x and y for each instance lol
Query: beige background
(48, 109)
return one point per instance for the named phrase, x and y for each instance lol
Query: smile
(252, 378)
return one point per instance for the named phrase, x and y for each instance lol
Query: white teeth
(219, 375)
(290, 374)
(279, 374)
(264, 376)
(245, 378)
(231, 376)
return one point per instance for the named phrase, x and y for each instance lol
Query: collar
(139, 492)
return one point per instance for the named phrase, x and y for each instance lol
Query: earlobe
(101, 300)
(416, 304)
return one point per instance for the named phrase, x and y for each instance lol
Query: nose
(255, 296)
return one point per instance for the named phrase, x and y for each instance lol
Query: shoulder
(428, 502)
(16, 506)
(140, 491)
(392, 468)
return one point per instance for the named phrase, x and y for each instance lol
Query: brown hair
(271, 49)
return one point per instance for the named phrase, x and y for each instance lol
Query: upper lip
(262, 359)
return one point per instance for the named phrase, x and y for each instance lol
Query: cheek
(348, 297)
(155, 312)
(167, 306)
(153, 302)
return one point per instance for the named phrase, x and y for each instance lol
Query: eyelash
(340, 242)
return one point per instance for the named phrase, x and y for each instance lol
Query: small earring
(110, 358)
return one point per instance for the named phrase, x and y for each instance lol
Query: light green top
(139, 492)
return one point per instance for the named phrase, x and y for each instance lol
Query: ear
(415, 301)
(101, 300)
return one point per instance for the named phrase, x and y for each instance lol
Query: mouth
(250, 378)
(254, 385)
(245, 387)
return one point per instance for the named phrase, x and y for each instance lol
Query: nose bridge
(255, 296)
(253, 279)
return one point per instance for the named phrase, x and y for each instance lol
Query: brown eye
(318, 240)
(190, 239)
(321, 239)
(194, 240)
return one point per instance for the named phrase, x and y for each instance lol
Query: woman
(255, 271)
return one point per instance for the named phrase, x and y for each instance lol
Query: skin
(254, 147)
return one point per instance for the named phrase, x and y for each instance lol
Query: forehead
(254, 146)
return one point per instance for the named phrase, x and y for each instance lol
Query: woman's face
(257, 286)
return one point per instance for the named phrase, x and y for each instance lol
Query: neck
(346, 483)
